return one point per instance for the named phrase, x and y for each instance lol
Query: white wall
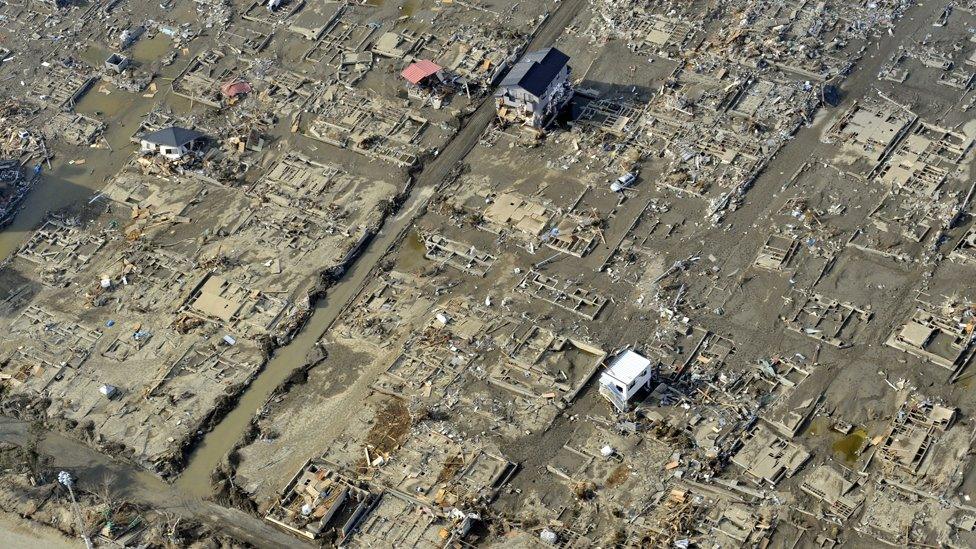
(172, 153)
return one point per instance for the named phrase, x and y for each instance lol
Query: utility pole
(65, 479)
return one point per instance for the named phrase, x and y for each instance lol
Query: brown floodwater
(148, 50)
(850, 446)
(409, 8)
(78, 174)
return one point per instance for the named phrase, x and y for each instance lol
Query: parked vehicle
(623, 182)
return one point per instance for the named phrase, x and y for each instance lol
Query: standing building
(423, 73)
(535, 89)
(173, 142)
(628, 373)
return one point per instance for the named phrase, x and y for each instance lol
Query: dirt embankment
(225, 490)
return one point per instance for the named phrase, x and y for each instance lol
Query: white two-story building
(628, 373)
(535, 89)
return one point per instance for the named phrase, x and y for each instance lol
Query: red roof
(232, 89)
(416, 72)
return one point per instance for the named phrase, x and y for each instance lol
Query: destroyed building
(321, 268)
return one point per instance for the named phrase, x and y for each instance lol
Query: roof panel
(536, 71)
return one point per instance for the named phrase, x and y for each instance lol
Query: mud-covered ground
(433, 370)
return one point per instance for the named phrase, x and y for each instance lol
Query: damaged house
(625, 377)
(423, 73)
(172, 142)
(535, 89)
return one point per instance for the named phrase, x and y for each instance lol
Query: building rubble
(576, 273)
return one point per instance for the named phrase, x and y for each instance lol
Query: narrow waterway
(217, 443)
(195, 479)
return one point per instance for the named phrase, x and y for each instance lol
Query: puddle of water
(409, 8)
(151, 50)
(95, 56)
(412, 255)
(102, 101)
(414, 243)
(850, 445)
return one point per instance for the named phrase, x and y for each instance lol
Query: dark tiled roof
(536, 71)
(172, 136)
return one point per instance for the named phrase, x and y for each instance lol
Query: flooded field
(77, 178)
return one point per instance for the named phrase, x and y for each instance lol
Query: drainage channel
(195, 479)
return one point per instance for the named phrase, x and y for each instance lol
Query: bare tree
(107, 491)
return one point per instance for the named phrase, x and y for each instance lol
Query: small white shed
(628, 373)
